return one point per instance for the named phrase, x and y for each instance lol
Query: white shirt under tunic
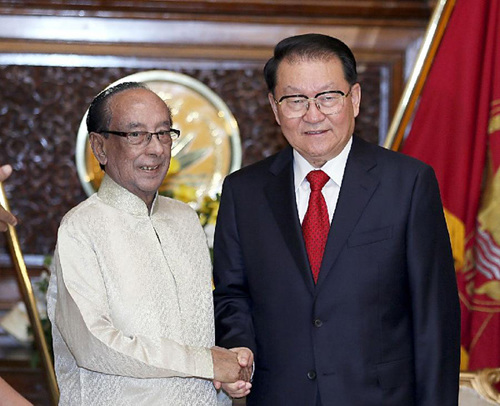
(130, 302)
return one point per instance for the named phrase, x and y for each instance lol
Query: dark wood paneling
(400, 12)
(28, 381)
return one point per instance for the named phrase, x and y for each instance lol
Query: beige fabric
(131, 304)
(469, 397)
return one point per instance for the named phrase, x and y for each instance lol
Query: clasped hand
(233, 370)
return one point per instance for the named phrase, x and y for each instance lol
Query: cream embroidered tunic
(130, 302)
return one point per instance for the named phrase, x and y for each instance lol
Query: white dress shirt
(334, 168)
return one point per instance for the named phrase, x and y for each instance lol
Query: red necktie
(316, 223)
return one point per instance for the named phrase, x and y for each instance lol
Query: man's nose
(313, 113)
(155, 145)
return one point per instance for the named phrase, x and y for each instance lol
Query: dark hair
(307, 47)
(99, 115)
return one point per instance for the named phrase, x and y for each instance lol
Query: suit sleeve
(232, 301)
(434, 296)
(78, 295)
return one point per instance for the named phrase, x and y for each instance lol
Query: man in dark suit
(360, 311)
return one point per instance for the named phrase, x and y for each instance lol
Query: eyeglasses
(297, 105)
(143, 138)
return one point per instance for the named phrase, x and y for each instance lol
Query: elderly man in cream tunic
(130, 294)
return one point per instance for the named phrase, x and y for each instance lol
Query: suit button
(318, 323)
(311, 374)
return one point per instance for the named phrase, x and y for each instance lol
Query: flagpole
(26, 289)
(430, 44)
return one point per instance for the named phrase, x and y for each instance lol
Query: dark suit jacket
(382, 325)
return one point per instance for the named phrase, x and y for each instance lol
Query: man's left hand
(241, 387)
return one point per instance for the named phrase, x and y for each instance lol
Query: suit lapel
(358, 185)
(280, 193)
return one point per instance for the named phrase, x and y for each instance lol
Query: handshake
(232, 370)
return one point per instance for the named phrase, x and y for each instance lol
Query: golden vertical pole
(29, 300)
(411, 93)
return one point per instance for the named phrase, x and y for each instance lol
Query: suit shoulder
(256, 170)
(386, 156)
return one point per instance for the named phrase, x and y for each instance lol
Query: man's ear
(356, 98)
(98, 144)
(274, 106)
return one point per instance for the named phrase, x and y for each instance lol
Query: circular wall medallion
(209, 147)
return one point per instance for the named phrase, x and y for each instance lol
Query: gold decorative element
(456, 229)
(26, 289)
(209, 147)
(464, 359)
(483, 382)
(494, 124)
(411, 93)
(490, 289)
(490, 203)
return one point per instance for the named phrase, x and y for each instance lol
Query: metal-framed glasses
(143, 138)
(297, 105)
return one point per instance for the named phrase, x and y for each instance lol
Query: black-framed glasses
(296, 105)
(143, 138)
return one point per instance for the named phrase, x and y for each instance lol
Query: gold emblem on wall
(209, 147)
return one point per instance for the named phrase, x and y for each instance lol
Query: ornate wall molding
(397, 12)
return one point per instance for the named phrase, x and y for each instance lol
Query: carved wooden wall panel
(42, 108)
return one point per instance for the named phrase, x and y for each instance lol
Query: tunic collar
(120, 198)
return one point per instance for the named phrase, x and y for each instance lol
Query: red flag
(456, 129)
